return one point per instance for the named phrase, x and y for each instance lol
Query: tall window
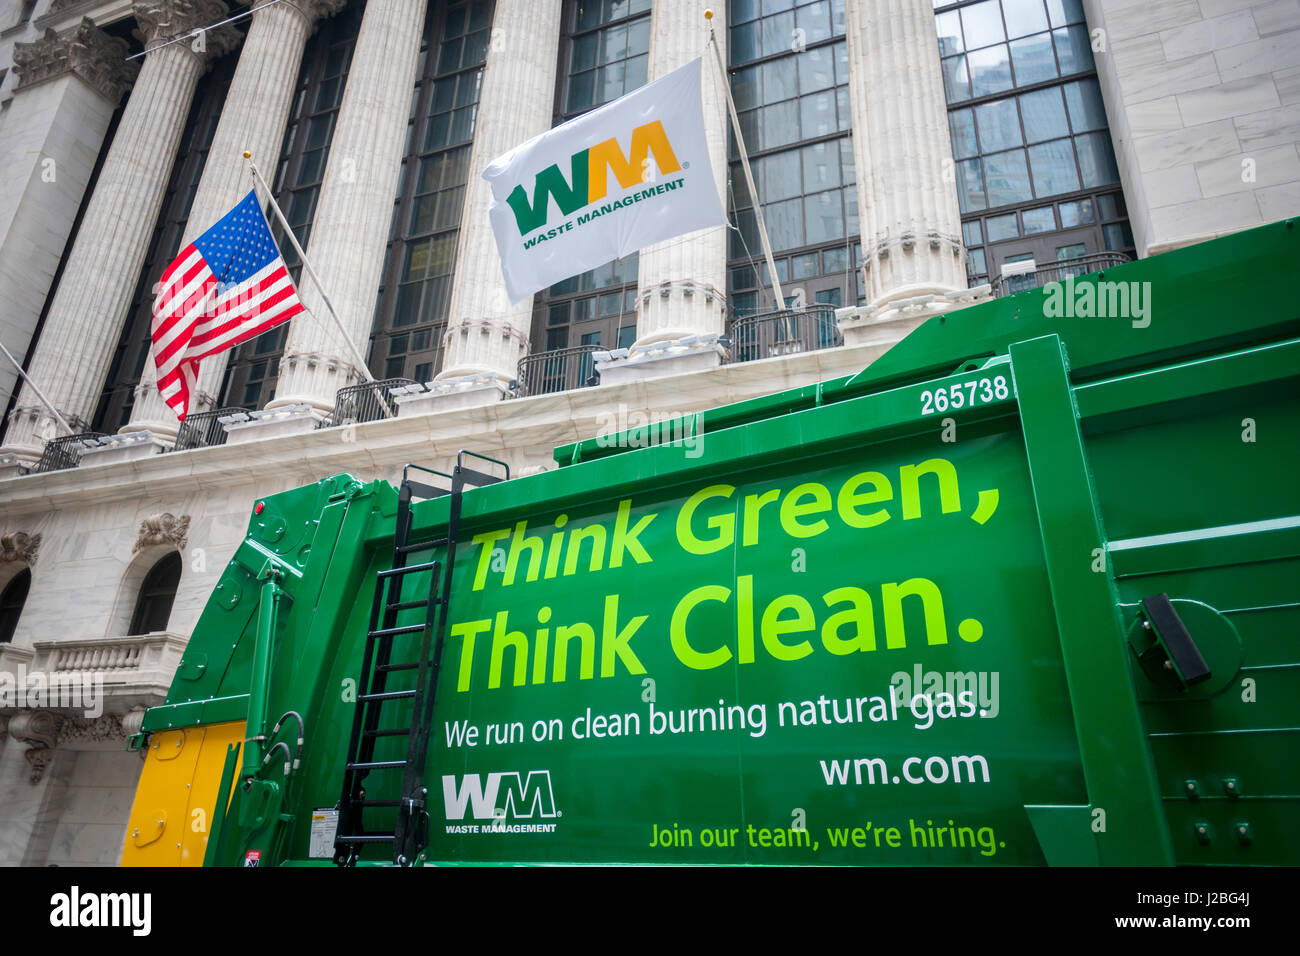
(153, 605)
(604, 53)
(133, 346)
(1036, 174)
(411, 314)
(254, 368)
(789, 78)
(12, 599)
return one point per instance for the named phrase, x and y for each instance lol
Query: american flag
(225, 287)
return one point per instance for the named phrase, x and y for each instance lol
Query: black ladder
(411, 831)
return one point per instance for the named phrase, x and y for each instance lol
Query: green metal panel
(804, 577)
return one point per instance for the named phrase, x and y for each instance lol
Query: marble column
(486, 335)
(253, 118)
(86, 315)
(681, 281)
(68, 86)
(349, 234)
(913, 262)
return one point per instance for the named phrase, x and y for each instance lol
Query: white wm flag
(624, 176)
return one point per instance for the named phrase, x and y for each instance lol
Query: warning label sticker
(324, 825)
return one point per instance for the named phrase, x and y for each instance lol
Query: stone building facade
(910, 157)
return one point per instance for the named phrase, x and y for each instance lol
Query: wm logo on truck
(523, 797)
(588, 176)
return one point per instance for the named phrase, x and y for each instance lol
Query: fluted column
(680, 281)
(349, 235)
(68, 86)
(86, 315)
(253, 118)
(486, 335)
(911, 226)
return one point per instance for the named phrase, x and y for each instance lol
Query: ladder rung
(388, 695)
(367, 838)
(404, 629)
(385, 668)
(362, 804)
(393, 732)
(420, 546)
(375, 765)
(405, 605)
(409, 569)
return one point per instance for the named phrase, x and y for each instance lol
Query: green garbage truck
(1024, 591)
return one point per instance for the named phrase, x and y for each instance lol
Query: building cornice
(86, 51)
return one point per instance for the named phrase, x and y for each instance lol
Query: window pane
(1072, 251)
(815, 21)
(1024, 17)
(638, 37)
(746, 88)
(821, 166)
(636, 72)
(999, 125)
(961, 123)
(745, 43)
(1111, 206)
(1086, 109)
(778, 34)
(780, 176)
(558, 314)
(1033, 60)
(816, 70)
(1007, 177)
(780, 124)
(835, 260)
(948, 26)
(1073, 49)
(825, 216)
(1044, 114)
(1003, 227)
(818, 114)
(983, 24)
(971, 234)
(1096, 159)
(779, 80)
(956, 83)
(975, 263)
(1118, 236)
(1038, 220)
(1076, 213)
(990, 70)
(1062, 12)
(611, 303)
(743, 10)
(805, 266)
(1054, 169)
(970, 188)
(785, 224)
(613, 44)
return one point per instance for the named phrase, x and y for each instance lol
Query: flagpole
(39, 394)
(744, 161)
(302, 257)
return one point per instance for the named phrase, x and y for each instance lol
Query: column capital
(85, 50)
(310, 10)
(162, 20)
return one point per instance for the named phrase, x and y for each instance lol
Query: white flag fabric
(628, 174)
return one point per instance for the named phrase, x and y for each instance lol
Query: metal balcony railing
(558, 370)
(65, 451)
(203, 430)
(785, 332)
(1056, 272)
(365, 402)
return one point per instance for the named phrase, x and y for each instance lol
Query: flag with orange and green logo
(624, 176)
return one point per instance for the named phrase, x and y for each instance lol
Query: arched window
(11, 603)
(154, 605)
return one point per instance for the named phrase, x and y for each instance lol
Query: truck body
(1024, 591)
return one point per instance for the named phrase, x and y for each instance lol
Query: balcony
(558, 370)
(203, 430)
(1041, 275)
(367, 402)
(128, 671)
(786, 332)
(65, 451)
